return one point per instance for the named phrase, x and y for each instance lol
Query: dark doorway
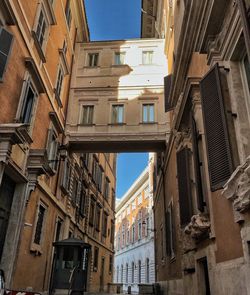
(7, 190)
(102, 274)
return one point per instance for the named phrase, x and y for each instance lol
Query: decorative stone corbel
(36, 166)
(237, 190)
(198, 227)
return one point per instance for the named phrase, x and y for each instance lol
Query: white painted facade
(134, 257)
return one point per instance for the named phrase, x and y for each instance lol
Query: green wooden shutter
(216, 132)
(184, 186)
(5, 46)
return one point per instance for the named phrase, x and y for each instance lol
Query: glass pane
(120, 114)
(151, 113)
(117, 59)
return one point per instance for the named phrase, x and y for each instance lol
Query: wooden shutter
(196, 158)
(167, 88)
(184, 185)
(216, 133)
(5, 46)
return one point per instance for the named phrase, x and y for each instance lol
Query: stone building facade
(47, 193)
(202, 194)
(134, 234)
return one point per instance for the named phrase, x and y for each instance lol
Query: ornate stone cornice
(237, 190)
(199, 226)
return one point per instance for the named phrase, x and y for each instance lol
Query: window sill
(91, 67)
(117, 124)
(35, 249)
(87, 125)
(38, 47)
(148, 123)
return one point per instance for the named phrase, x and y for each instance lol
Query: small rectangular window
(68, 14)
(147, 57)
(97, 218)
(104, 225)
(91, 212)
(110, 263)
(59, 82)
(119, 58)
(87, 115)
(28, 103)
(5, 46)
(41, 29)
(96, 258)
(39, 225)
(93, 59)
(52, 149)
(117, 114)
(148, 115)
(106, 189)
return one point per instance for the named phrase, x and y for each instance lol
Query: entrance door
(102, 274)
(7, 190)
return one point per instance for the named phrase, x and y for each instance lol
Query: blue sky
(117, 20)
(129, 167)
(113, 19)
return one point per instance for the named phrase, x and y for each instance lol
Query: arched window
(122, 274)
(117, 275)
(139, 271)
(126, 273)
(147, 270)
(133, 273)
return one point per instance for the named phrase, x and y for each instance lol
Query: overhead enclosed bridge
(116, 99)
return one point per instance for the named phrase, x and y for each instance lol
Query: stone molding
(11, 134)
(198, 227)
(237, 190)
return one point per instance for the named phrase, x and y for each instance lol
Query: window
(96, 258)
(29, 99)
(39, 224)
(106, 189)
(87, 115)
(128, 236)
(147, 270)
(119, 58)
(68, 14)
(82, 201)
(66, 179)
(148, 113)
(93, 59)
(184, 186)
(246, 67)
(126, 273)
(113, 199)
(52, 149)
(117, 274)
(59, 84)
(104, 225)
(170, 236)
(147, 57)
(133, 273)
(139, 229)
(5, 46)
(41, 29)
(139, 271)
(97, 218)
(59, 223)
(121, 273)
(112, 232)
(75, 190)
(133, 233)
(110, 263)
(91, 212)
(117, 114)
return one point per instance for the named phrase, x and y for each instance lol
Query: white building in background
(134, 235)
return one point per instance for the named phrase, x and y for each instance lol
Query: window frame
(121, 61)
(88, 121)
(148, 113)
(117, 121)
(9, 52)
(144, 59)
(93, 59)
(59, 84)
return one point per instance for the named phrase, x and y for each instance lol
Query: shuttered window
(184, 186)
(197, 167)
(170, 233)
(5, 45)
(216, 133)
(167, 87)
